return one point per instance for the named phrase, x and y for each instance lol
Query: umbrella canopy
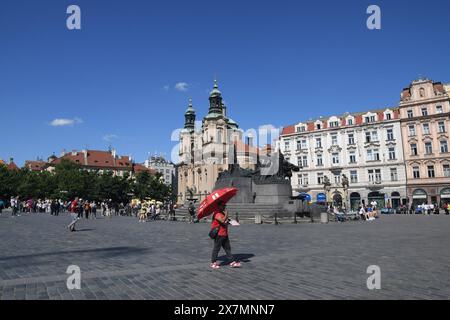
(210, 203)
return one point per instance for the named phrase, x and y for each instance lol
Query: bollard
(237, 216)
(324, 217)
(276, 220)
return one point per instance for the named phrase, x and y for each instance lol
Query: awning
(321, 197)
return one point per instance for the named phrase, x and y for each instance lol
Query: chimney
(113, 153)
(85, 154)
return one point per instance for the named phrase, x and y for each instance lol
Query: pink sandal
(235, 264)
(214, 265)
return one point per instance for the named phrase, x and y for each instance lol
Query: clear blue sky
(277, 62)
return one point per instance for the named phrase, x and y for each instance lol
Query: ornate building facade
(205, 152)
(425, 112)
(360, 154)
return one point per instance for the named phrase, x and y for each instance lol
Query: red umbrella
(210, 203)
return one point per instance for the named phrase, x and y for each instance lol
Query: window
(286, 145)
(392, 153)
(337, 178)
(416, 172)
(318, 126)
(318, 142)
(390, 134)
(219, 135)
(413, 149)
(352, 157)
(388, 116)
(303, 144)
(374, 175)
(439, 109)
(373, 155)
(374, 136)
(444, 146)
(371, 175)
(410, 114)
(303, 179)
(446, 169)
(350, 122)
(320, 178)
(426, 128)
(353, 176)
(334, 140)
(371, 136)
(301, 129)
(370, 119)
(319, 160)
(431, 172)
(378, 175)
(304, 161)
(424, 112)
(394, 175)
(335, 158)
(351, 138)
(299, 145)
(441, 125)
(334, 124)
(412, 130)
(428, 148)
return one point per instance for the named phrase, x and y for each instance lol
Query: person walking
(2, 205)
(94, 210)
(219, 232)
(191, 211)
(74, 213)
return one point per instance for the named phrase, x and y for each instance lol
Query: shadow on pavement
(242, 257)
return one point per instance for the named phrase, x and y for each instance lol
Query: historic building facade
(164, 167)
(205, 152)
(359, 154)
(425, 112)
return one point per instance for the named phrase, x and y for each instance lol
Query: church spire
(215, 100)
(189, 117)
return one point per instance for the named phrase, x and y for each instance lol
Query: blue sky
(277, 62)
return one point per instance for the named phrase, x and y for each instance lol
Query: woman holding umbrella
(219, 228)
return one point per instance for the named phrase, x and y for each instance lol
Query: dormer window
(350, 122)
(370, 119)
(301, 129)
(334, 124)
(318, 126)
(388, 116)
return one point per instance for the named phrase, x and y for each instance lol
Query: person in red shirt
(220, 220)
(73, 214)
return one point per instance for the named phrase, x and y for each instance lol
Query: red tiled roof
(98, 159)
(288, 130)
(12, 166)
(140, 168)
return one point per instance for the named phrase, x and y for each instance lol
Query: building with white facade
(164, 167)
(364, 148)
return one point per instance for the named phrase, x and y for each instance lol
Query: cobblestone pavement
(123, 259)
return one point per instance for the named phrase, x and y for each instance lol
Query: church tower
(215, 101)
(189, 117)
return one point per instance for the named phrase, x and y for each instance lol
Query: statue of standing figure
(345, 183)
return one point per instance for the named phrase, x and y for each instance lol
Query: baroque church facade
(207, 151)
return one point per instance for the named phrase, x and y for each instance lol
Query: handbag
(214, 233)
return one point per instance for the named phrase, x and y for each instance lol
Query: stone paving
(123, 259)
